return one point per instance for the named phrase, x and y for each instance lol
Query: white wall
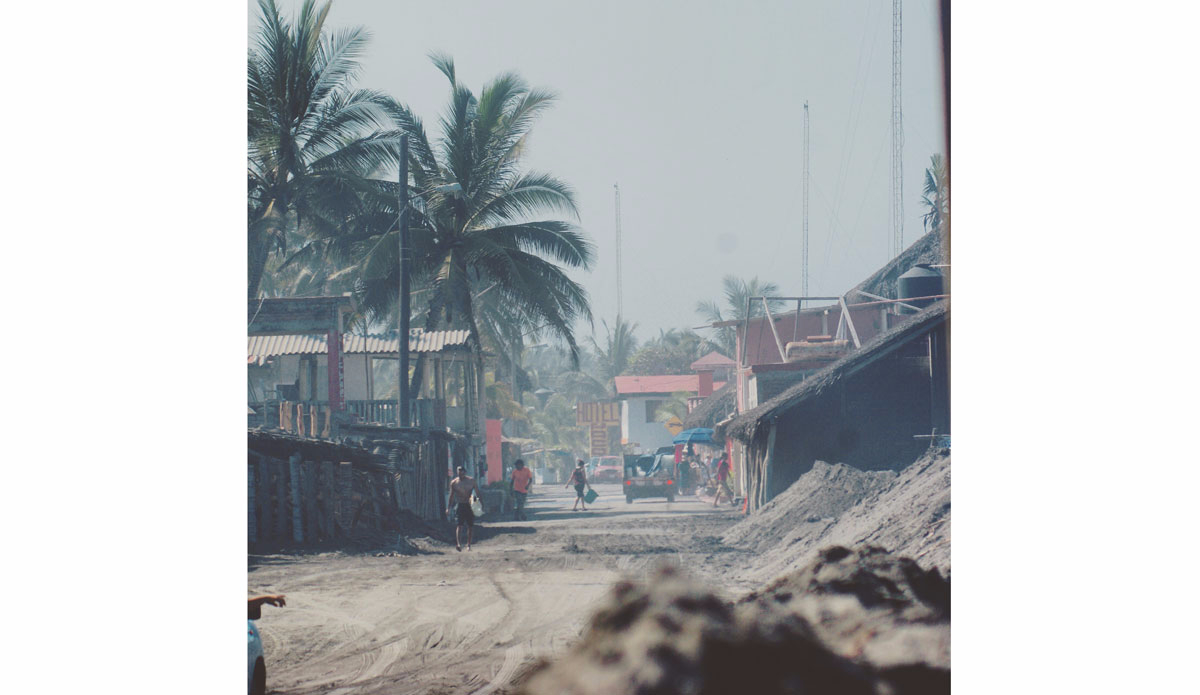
(634, 428)
(354, 376)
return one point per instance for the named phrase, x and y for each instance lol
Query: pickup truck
(650, 477)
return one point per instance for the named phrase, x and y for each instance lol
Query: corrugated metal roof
(713, 359)
(260, 347)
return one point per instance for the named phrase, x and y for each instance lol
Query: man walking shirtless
(462, 489)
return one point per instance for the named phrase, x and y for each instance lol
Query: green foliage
(675, 406)
(936, 198)
(736, 293)
(501, 405)
(612, 358)
(482, 256)
(672, 352)
(554, 425)
(313, 144)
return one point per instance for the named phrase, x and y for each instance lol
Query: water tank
(919, 281)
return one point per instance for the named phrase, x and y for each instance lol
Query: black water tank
(919, 281)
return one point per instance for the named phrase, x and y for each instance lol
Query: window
(652, 410)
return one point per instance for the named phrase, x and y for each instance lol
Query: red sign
(337, 393)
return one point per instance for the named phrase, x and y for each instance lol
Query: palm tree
(481, 239)
(737, 291)
(936, 198)
(674, 406)
(313, 139)
(613, 357)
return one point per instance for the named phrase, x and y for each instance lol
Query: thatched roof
(933, 248)
(716, 407)
(746, 424)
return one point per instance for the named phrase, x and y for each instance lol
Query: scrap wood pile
(852, 621)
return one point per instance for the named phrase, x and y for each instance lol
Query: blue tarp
(697, 435)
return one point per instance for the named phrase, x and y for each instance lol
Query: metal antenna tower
(897, 137)
(804, 274)
(620, 295)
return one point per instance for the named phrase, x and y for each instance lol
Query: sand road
(449, 622)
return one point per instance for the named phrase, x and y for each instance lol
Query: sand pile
(814, 501)
(869, 605)
(906, 513)
(851, 622)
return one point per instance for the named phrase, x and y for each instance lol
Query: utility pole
(620, 296)
(804, 273)
(897, 136)
(402, 320)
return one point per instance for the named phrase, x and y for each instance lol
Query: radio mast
(620, 296)
(804, 253)
(897, 137)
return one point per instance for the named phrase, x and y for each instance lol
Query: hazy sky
(696, 110)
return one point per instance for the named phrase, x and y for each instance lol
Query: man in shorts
(462, 489)
(723, 469)
(522, 478)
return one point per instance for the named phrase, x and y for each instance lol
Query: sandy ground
(449, 622)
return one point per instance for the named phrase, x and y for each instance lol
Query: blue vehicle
(258, 667)
(257, 677)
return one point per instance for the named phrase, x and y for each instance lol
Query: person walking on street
(522, 478)
(723, 468)
(462, 489)
(579, 480)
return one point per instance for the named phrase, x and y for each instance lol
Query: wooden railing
(310, 418)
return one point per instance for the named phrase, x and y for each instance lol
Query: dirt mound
(910, 518)
(907, 514)
(811, 503)
(869, 605)
(672, 636)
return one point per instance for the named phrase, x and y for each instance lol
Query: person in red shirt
(522, 479)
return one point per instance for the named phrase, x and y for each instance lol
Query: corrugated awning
(261, 347)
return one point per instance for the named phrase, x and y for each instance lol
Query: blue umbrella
(696, 435)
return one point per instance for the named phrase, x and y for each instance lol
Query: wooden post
(379, 496)
(775, 331)
(768, 464)
(439, 482)
(322, 499)
(285, 416)
(308, 492)
(264, 496)
(251, 507)
(849, 322)
(345, 487)
(281, 509)
(313, 416)
(294, 486)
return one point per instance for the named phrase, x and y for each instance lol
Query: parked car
(609, 469)
(658, 480)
